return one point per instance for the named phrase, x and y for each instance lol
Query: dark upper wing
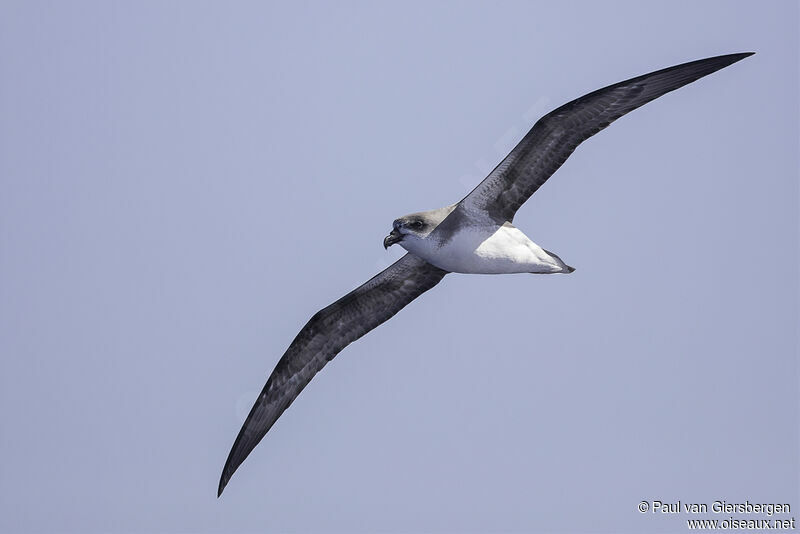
(556, 135)
(323, 337)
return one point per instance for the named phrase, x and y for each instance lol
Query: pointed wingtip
(225, 477)
(740, 56)
(221, 487)
(726, 59)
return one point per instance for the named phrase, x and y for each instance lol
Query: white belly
(490, 250)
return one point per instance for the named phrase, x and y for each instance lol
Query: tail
(566, 269)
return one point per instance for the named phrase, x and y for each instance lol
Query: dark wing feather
(328, 332)
(556, 135)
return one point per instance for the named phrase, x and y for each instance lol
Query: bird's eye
(416, 225)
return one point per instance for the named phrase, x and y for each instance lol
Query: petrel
(475, 235)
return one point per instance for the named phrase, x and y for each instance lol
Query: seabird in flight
(474, 235)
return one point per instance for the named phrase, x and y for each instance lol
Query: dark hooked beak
(392, 238)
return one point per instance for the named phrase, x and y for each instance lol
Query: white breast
(489, 250)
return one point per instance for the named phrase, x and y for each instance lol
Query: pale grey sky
(183, 184)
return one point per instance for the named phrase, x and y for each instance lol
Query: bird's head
(412, 230)
(408, 229)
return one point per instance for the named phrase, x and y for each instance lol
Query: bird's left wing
(328, 332)
(556, 135)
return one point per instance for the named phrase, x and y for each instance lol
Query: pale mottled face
(413, 228)
(409, 227)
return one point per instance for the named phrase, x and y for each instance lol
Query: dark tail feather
(567, 268)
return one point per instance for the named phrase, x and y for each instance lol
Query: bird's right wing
(323, 337)
(556, 135)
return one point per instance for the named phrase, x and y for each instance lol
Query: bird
(475, 236)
